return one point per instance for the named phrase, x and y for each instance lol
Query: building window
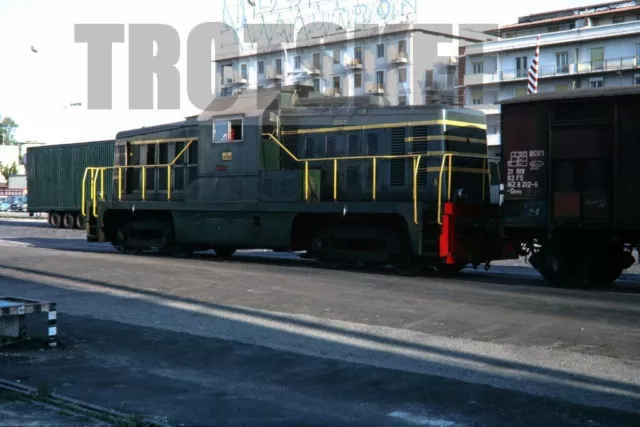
(278, 66)
(562, 62)
(402, 100)
(521, 67)
(478, 67)
(297, 63)
(402, 75)
(261, 67)
(521, 91)
(554, 28)
(357, 55)
(316, 61)
(357, 80)
(597, 58)
(595, 22)
(243, 71)
(476, 98)
(636, 79)
(637, 50)
(380, 79)
(380, 48)
(561, 87)
(618, 19)
(336, 83)
(402, 47)
(316, 85)
(596, 82)
(428, 79)
(336, 56)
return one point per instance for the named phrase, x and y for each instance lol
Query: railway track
(105, 416)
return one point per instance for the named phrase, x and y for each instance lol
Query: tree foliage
(7, 128)
(7, 170)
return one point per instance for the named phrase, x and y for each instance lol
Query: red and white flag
(533, 70)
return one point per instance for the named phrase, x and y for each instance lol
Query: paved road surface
(241, 342)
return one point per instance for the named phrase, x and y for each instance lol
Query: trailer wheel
(68, 221)
(80, 221)
(54, 219)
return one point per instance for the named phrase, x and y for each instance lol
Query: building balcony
(353, 65)
(375, 88)
(400, 59)
(485, 108)
(577, 35)
(312, 68)
(273, 75)
(481, 78)
(590, 67)
(230, 81)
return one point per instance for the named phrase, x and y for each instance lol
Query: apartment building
(594, 46)
(399, 62)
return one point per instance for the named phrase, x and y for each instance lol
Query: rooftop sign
(254, 20)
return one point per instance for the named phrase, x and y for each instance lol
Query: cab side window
(227, 130)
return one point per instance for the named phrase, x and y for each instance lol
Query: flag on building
(533, 70)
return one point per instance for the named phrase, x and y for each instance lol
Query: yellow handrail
(99, 171)
(447, 159)
(416, 168)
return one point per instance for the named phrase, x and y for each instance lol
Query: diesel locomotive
(344, 179)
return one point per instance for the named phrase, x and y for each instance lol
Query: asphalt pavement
(276, 341)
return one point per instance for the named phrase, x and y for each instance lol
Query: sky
(36, 89)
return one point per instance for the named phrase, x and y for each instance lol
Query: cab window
(227, 130)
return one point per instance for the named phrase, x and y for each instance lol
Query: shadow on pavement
(252, 383)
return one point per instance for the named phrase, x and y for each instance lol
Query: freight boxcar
(572, 188)
(53, 174)
(346, 179)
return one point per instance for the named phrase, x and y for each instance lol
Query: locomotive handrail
(486, 169)
(99, 171)
(416, 168)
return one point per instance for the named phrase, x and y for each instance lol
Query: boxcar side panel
(627, 186)
(524, 166)
(54, 174)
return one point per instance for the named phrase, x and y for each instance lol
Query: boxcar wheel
(68, 221)
(55, 220)
(79, 221)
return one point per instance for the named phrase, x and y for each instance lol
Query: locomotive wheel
(55, 220)
(450, 269)
(411, 266)
(181, 252)
(80, 222)
(122, 242)
(68, 221)
(320, 248)
(224, 251)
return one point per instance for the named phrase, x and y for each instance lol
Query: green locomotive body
(344, 179)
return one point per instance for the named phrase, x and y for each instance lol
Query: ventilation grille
(398, 166)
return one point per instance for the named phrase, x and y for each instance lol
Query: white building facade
(594, 47)
(391, 61)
